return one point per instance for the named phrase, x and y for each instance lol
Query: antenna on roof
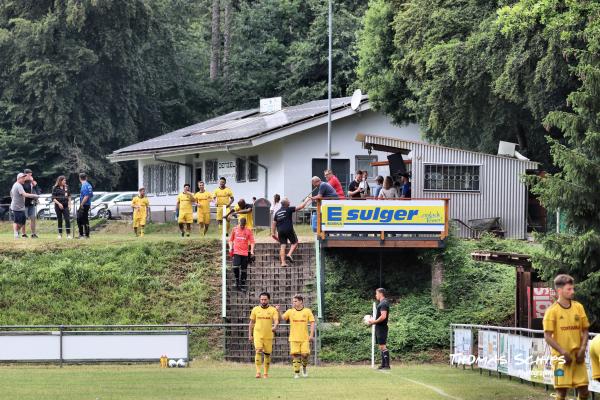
(356, 99)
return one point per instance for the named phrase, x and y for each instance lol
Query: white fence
(516, 352)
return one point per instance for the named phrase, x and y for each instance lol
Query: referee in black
(381, 327)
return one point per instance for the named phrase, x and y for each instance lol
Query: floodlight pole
(329, 90)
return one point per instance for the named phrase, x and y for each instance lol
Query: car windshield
(97, 197)
(109, 197)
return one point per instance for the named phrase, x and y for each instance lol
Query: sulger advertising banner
(383, 215)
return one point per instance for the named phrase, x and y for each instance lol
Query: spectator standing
(85, 202)
(276, 204)
(335, 183)
(31, 187)
(355, 189)
(17, 203)
(406, 187)
(378, 186)
(388, 191)
(364, 185)
(61, 199)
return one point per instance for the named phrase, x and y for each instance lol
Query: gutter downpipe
(255, 163)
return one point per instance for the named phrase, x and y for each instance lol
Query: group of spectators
(25, 193)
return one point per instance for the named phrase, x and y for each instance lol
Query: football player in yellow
(566, 332)
(242, 209)
(263, 324)
(203, 199)
(140, 205)
(299, 317)
(595, 358)
(185, 209)
(223, 197)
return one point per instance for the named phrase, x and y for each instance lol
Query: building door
(198, 176)
(340, 167)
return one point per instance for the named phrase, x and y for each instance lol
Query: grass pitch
(214, 380)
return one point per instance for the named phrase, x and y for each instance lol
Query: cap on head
(21, 175)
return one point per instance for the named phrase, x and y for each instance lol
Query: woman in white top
(276, 204)
(388, 191)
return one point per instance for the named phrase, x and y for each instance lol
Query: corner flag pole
(373, 337)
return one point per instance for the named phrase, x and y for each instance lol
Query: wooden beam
(385, 163)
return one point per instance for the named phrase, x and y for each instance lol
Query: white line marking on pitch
(438, 391)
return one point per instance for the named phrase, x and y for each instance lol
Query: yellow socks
(267, 363)
(258, 362)
(296, 365)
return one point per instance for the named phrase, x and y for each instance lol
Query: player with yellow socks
(264, 319)
(203, 198)
(566, 332)
(140, 205)
(299, 317)
(185, 209)
(223, 197)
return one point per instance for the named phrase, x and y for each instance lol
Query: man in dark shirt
(354, 189)
(282, 229)
(381, 327)
(326, 191)
(406, 187)
(30, 187)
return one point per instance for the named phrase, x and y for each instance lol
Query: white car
(46, 210)
(117, 207)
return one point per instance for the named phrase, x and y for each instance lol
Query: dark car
(5, 208)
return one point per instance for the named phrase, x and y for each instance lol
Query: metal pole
(373, 337)
(329, 89)
(224, 266)
(319, 283)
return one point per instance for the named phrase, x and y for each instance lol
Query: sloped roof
(234, 127)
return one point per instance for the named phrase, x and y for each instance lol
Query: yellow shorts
(572, 375)
(220, 212)
(204, 218)
(137, 222)
(266, 345)
(300, 347)
(185, 218)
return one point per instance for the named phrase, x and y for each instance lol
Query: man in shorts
(17, 203)
(282, 228)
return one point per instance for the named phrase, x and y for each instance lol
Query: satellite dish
(356, 99)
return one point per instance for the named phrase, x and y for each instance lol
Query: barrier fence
(114, 343)
(515, 352)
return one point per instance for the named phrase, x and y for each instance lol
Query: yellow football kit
(248, 216)
(299, 319)
(223, 197)
(263, 327)
(140, 210)
(566, 325)
(186, 211)
(203, 200)
(595, 357)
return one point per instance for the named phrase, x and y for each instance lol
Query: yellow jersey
(203, 199)
(264, 318)
(223, 196)
(248, 216)
(566, 325)
(186, 200)
(595, 357)
(140, 207)
(299, 320)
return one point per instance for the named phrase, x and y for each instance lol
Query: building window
(161, 179)
(452, 178)
(253, 168)
(240, 170)
(364, 164)
(211, 173)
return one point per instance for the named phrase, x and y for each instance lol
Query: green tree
(575, 188)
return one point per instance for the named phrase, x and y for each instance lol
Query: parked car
(46, 209)
(117, 207)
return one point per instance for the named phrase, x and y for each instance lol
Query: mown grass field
(213, 380)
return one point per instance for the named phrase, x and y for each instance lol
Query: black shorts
(19, 217)
(285, 236)
(240, 261)
(381, 333)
